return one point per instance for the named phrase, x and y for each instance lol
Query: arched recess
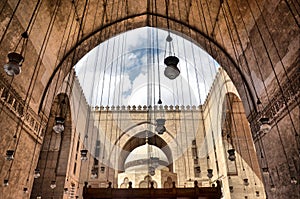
(236, 134)
(136, 135)
(54, 156)
(209, 44)
(139, 140)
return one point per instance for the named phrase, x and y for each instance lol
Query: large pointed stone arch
(208, 43)
(56, 149)
(134, 137)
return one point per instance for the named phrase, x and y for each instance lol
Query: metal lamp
(13, 66)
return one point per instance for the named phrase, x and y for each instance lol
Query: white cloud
(116, 72)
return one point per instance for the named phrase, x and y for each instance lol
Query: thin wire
(209, 13)
(103, 79)
(115, 85)
(205, 138)
(260, 144)
(92, 89)
(217, 17)
(110, 79)
(4, 5)
(9, 22)
(183, 102)
(32, 80)
(6, 91)
(272, 65)
(268, 55)
(70, 73)
(167, 14)
(294, 15)
(55, 88)
(71, 77)
(117, 132)
(241, 46)
(236, 56)
(33, 16)
(89, 114)
(277, 80)
(102, 91)
(189, 89)
(235, 53)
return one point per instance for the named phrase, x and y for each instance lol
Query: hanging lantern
(160, 128)
(25, 190)
(59, 124)
(13, 66)
(159, 101)
(246, 182)
(265, 170)
(10, 155)
(171, 71)
(66, 190)
(37, 173)
(209, 173)
(293, 180)
(102, 169)
(273, 188)
(83, 154)
(231, 189)
(53, 184)
(265, 124)
(197, 169)
(152, 171)
(39, 197)
(154, 161)
(257, 193)
(231, 155)
(5, 182)
(94, 173)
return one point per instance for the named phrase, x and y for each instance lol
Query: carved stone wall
(256, 41)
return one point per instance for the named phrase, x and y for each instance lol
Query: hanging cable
(3, 7)
(230, 105)
(260, 144)
(24, 38)
(10, 20)
(277, 80)
(240, 44)
(55, 90)
(292, 12)
(32, 80)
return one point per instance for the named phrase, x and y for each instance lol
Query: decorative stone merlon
(148, 108)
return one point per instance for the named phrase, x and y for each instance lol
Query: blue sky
(124, 70)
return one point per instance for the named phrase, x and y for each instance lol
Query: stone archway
(200, 38)
(134, 137)
(282, 21)
(139, 140)
(53, 161)
(236, 135)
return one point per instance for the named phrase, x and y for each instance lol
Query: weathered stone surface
(257, 38)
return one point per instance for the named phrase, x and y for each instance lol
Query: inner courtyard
(99, 94)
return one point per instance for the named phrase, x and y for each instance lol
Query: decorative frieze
(277, 107)
(12, 101)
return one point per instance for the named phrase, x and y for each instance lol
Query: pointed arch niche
(55, 153)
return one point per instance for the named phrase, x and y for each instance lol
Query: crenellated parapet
(148, 108)
(78, 86)
(213, 85)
